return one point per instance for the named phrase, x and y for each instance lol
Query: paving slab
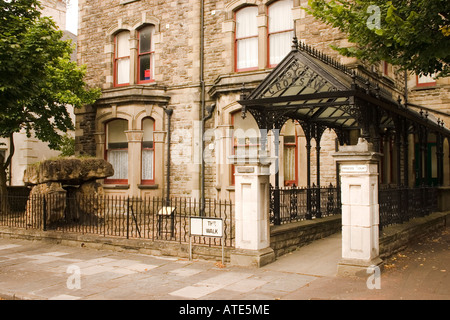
(40, 271)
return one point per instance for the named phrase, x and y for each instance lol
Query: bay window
(148, 152)
(117, 150)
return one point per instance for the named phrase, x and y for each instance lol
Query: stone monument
(55, 182)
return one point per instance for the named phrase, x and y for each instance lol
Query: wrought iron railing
(125, 217)
(399, 204)
(291, 204)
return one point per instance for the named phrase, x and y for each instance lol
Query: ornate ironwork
(399, 204)
(295, 205)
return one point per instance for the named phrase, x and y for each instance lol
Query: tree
(37, 78)
(411, 34)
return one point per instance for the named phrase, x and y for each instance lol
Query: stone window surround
(229, 26)
(134, 115)
(111, 33)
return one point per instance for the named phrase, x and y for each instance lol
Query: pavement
(32, 270)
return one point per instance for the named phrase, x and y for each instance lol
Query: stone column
(360, 210)
(133, 57)
(252, 212)
(262, 40)
(134, 160)
(100, 140)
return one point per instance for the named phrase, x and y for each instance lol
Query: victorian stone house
(173, 72)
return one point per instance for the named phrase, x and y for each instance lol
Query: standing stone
(89, 197)
(46, 201)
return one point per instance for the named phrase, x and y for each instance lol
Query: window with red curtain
(146, 55)
(280, 31)
(246, 47)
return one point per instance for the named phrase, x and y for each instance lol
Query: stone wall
(396, 238)
(289, 237)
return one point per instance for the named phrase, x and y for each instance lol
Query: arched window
(146, 55)
(122, 59)
(148, 152)
(246, 137)
(290, 154)
(117, 150)
(246, 47)
(280, 31)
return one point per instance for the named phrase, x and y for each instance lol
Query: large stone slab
(68, 171)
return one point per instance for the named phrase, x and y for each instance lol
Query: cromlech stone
(68, 171)
(46, 200)
(65, 189)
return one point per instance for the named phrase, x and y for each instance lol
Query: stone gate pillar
(252, 212)
(360, 211)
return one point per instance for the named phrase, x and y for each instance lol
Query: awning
(314, 89)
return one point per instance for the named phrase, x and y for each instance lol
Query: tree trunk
(4, 165)
(4, 204)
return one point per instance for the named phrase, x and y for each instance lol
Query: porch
(379, 141)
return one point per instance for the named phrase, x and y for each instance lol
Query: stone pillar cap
(362, 151)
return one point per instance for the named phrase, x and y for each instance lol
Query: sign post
(206, 227)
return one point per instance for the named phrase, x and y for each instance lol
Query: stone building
(173, 70)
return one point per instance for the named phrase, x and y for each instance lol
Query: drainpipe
(210, 111)
(406, 88)
(202, 100)
(169, 113)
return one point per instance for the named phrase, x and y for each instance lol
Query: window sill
(233, 81)
(388, 78)
(149, 93)
(424, 87)
(148, 186)
(116, 186)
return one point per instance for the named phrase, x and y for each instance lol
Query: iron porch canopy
(314, 89)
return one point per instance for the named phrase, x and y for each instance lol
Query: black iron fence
(399, 204)
(158, 219)
(291, 204)
(114, 216)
